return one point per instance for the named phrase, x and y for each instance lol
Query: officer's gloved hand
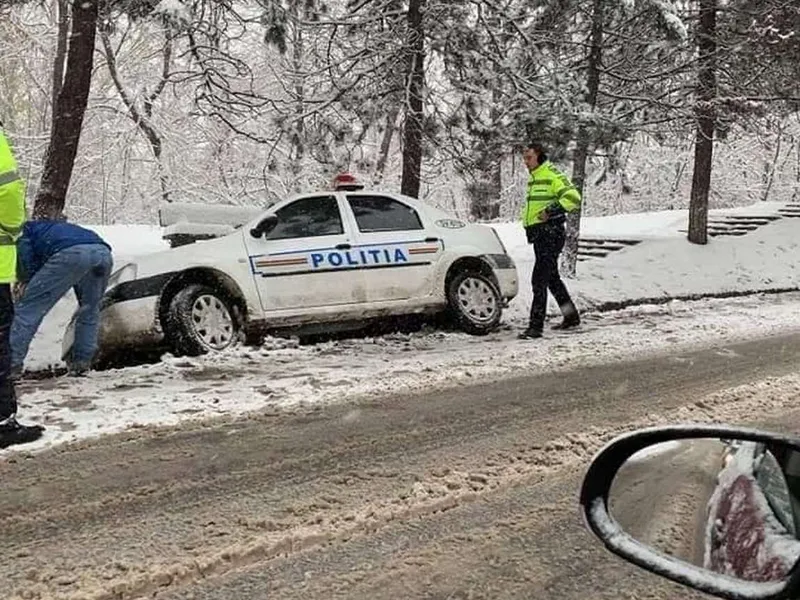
(554, 210)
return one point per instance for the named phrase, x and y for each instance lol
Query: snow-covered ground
(663, 223)
(281, 374)
(665, 264)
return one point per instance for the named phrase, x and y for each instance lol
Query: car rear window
(379, 213)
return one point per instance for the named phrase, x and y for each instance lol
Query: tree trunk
(487, 185)
(705, 115)
(298, 129)
(483, 197)
(415, 83)
(569, 259)
(618, 166)
(771, 166)
(70, 109)
(680, 167)
(386, 143)
(796, 190)
(62, 11)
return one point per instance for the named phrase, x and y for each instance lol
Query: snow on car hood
(211, 252)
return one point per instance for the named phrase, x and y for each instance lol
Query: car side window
(770, 478)
(308, 217)
(789, 460)
(381, 213)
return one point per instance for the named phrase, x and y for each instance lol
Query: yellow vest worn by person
(548, 188)
(12, 212)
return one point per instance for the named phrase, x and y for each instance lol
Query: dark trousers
(548, 242)
(8, 397)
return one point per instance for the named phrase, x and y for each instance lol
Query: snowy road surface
(466, 493)
(662, 501)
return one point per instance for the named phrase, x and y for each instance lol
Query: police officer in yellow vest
(12, 217)
(549, 197)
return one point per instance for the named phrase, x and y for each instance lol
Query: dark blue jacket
(42, 239)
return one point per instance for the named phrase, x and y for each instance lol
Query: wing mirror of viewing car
(264, 226)
(714, 508)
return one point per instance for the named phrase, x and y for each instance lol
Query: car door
(299, 264)
(394, 246)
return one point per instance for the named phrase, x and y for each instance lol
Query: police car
(326, 259)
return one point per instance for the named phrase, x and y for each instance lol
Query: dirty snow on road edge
(281, 374)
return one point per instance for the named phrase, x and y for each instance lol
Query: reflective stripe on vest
(11, 231)
(9, 177)
(9, 235)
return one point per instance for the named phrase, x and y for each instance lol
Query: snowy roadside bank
(663, 269)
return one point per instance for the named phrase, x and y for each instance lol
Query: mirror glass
(727, 505)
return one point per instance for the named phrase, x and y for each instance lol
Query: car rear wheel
(474, 302)
(201, 319)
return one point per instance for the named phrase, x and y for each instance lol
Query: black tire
(474, 320)
(185, 333)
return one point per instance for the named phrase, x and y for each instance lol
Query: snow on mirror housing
(264, 226)
(714, 508)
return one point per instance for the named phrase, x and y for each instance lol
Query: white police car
(329, 259)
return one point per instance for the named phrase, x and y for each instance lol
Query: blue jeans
(84, 268)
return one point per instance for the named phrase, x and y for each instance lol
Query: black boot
(15, 374)
(77, 370)
(568, 322)
(571, 317)
(530, 334)
(12, 432)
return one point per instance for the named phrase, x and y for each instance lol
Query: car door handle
(431, 239)
(343, 247)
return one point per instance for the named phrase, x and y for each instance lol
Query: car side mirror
(681, 503)
(264, 226)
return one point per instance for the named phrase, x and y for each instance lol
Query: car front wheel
(200, 320)
(474, 302)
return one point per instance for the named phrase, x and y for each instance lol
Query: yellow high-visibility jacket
(548, 189)
(12, 211)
